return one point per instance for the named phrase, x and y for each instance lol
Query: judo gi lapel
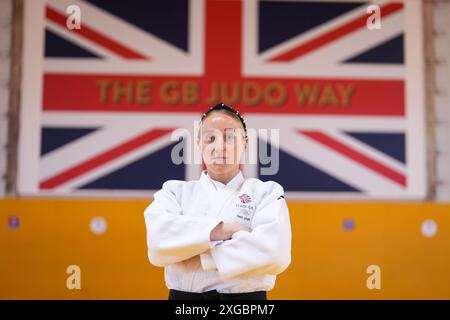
(218, 199)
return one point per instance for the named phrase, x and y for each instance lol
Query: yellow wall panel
(329, 262)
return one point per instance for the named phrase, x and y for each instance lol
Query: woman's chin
(221, 167)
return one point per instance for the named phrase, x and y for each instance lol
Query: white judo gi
(179, 222)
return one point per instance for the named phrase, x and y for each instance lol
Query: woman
(222, 236)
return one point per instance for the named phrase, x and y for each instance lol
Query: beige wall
(441, 26)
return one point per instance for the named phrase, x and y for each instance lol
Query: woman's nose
(220, 147)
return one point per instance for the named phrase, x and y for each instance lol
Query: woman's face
(222, 142)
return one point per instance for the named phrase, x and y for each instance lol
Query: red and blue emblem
(245, 198)
(13, 222)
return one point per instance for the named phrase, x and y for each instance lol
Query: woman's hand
(224, 230)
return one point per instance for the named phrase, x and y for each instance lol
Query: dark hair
(221, 107)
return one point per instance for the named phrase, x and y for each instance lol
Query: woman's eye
(209, 139)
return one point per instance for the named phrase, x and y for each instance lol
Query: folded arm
(171, 236)
(264, 250)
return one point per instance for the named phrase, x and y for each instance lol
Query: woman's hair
(221, 107)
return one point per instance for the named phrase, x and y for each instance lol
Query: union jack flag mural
(103, 101)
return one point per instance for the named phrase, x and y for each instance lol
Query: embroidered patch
(245, 209)
(245, 198)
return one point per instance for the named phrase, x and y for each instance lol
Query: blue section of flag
(392, 144)
(147, 173)
(57, 47)
(391, 51)
(54, 138)
(167, 20)
(296, 175)
(281, 20)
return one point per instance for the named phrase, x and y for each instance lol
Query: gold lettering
(214, 98)
(227, 97)
(328, 97)
(346, 92)
(143, 88)
(190, 92)
(307, 94)
(169, 93)
(119, 91)
(251, 93)
(104, 85)
(280, 94)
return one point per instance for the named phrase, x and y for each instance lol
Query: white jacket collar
(233, 184)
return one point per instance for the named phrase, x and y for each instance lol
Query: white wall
(442, 97)
(5, 39)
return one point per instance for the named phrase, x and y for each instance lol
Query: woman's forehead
(220, 121)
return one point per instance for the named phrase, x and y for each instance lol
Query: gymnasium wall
(333, 242)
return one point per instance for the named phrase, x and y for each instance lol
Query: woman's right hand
(225, 230)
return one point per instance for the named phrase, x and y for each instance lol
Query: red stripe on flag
(223, 44)
(82, 92)
(332, 35)
(103, 158)
(94, 36)
(357, 156)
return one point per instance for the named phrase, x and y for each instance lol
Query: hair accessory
(222, 106)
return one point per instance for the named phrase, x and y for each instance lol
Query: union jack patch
(245, 198)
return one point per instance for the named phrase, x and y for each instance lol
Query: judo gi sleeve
(264, 250)
(171, 236)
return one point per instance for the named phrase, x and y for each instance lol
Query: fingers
(224, 231)
(238, 227)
